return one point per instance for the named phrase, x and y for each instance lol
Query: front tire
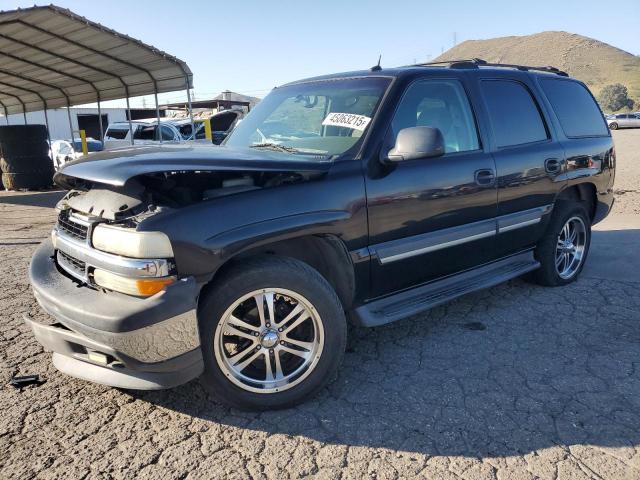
(563, 250)
(273, 333)
(613, 126)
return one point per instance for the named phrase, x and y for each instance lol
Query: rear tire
(613, 126)
(563, 250)
(309, 346)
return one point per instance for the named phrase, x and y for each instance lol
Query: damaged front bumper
(115, 339)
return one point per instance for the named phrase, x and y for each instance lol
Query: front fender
(228, 244)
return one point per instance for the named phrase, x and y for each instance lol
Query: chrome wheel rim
(269, 340)
(570, 247)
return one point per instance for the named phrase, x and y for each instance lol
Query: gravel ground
(518, 382)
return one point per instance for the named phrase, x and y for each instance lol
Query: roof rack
(478, 62)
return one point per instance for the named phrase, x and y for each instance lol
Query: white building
(81, 118)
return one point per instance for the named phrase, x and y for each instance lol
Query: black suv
(366, 196)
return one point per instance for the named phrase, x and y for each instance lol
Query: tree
(614, 97)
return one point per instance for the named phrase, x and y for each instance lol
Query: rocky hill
(594, 62)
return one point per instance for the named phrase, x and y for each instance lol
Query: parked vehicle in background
(222, 123)
(93, 145)
(144, 133)
(623, 120)
(62, 151)
(372, 195)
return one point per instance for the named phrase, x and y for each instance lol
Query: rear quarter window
(577, 111)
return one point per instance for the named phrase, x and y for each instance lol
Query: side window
(442, 104)
(575, 108)
(513, 113)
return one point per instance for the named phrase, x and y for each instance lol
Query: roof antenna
(377, 67)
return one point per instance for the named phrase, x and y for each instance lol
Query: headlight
(130, 243)
(141, 287)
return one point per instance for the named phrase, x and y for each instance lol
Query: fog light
(97, 357)
(141, 287)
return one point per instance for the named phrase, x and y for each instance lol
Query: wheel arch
(325, 253)
(582, 192)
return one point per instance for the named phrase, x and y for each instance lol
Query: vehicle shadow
(32, 199)
(501, 372)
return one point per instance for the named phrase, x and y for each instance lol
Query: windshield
(324, 118)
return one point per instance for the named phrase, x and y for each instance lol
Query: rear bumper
(115, 339)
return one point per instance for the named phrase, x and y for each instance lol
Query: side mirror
(417, 142)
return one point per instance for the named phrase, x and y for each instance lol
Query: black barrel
(25, 161)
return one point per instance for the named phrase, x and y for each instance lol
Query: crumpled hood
(117, 166)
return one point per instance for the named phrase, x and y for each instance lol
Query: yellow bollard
(207, 129)
(83, 139)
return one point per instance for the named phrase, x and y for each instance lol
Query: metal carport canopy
(51, 58)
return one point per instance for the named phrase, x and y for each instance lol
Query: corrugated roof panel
(52, 53)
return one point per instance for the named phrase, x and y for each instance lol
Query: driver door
(436, 216)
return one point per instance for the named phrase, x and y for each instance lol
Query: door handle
(485, 177)
(552, 165)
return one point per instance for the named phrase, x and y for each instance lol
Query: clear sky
(251, 46)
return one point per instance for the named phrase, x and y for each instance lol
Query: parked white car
(144, 133)
(623, 120)
(62, 151)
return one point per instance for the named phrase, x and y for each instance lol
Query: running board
(420, 299)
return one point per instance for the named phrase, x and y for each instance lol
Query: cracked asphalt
(516, 382)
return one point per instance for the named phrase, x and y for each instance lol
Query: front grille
(69, 262)
(71, 228)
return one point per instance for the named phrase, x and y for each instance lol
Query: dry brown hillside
(594, 62)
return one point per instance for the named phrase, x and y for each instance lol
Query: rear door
(529, 160)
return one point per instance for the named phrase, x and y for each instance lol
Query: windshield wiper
(275, 147)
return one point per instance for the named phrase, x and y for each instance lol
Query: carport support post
(155, 93)
(71, 127)
(193, 129)
(46, 122)
(6, 115)
(100, 121)
(24, 114)
(129, 118)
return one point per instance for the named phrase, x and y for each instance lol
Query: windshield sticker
(348, 120)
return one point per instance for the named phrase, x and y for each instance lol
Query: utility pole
(455, 38)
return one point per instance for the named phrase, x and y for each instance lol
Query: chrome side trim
(519, 225)
(433, 248)
(428, 242)
(129, 267)
(523, 218)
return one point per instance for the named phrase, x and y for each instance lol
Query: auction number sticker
(348, 120)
